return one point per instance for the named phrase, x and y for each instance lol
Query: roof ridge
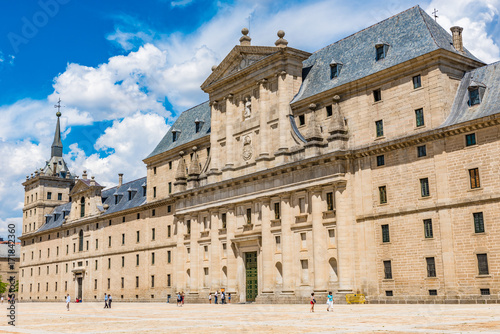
(360, 31)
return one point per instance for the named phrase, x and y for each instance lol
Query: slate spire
(57, 146)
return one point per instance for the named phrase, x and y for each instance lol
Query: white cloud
(476, 17)
(181, 3)
(131, 139)
(4, 226)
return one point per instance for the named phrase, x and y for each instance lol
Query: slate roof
(4, 251)
(409, 34)
(185, 125)
(55, 218)
(488, 76)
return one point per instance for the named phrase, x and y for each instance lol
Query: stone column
(288, 246)
(215, 252)
(232, 251)
(264, 127)
(345, 240)
(319, 242)
(231, 117)
(195, 258)
(179, 253)
(283, 112)
(267, 247)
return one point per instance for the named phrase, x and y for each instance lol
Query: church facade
(369, 166)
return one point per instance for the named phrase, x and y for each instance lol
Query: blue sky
(124, 70)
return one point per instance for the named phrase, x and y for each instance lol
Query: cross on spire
(58, 106)
(434, 13)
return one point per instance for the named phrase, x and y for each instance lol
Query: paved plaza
(253, 318)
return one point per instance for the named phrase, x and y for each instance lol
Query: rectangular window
(123, 282)
(278, 243)
(302, 205)
(485, 292)
(303, 240)
(169, 208)
(302, 120)
(431, 267)
(153, 212)
(382, 192)
(389, 293)
(188, 226)
(482, 263)
(249, 216)
(152, 281)
(478, 222)
(109, 263)
(433, 292)
(154, 170)
(377, 95)
(138, 236)
(428, 228)
(379, 128)
(174, 136)
(49, 195)
(380, 160)
(417, 82)
(474, 178)
(123, 238)
(169, 231)
(59, 197)
(380, 52)
(109, 241)
(136, 281)
(170, 165)
(470, 139)
(123, 261)
(109, 283)
(153, 234)
(305, 271)
(331, 237)
(421, 151)
(95, 264)
(95, 284)
(170, 187)
(474, 97)
(137, 259)
(385, 233)
(154, 192)
(334, 71)
(169, 256)
(387, 270)
(224, 249)
(169, 280)
(329, 111)
(419, 117)
(224, 220)
(329, 201)
(424, 187)
(277, 213)
(152, 258)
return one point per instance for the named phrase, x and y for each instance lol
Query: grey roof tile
(186, 125)
(409, 34)
(487, 76)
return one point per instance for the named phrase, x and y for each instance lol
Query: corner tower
(47, 187)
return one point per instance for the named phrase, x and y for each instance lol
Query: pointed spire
(57, 146)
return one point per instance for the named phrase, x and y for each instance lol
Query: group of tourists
(180, 298)
(219, 295)
(107, 300)
(329, 302)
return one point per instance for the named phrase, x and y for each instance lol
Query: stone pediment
(82, 185)
(240, 58)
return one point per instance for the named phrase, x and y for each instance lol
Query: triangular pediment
(239, 59)
(80, 186)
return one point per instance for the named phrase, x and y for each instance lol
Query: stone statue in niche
(247, 148)
(248, 108)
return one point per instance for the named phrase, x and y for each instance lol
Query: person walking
(229, 297)
(109, 300)
(329, 302)
(216, 296)
(182, 298)
(313, 301)
(106, 301)
(210, 298)
(179, 299)
(223, 297)
(68, 300)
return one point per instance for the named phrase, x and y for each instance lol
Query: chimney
(120, 179)
(457, 38)
(92, 181)
(84, 175)
(245, 40)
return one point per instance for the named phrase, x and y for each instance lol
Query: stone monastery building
(369, 166)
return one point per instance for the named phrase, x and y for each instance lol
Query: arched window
(279, 273)
(333, 270)
(80, 241)
(82, 207)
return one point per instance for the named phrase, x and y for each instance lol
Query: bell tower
(47, 187)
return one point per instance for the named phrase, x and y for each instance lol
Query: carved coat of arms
(247, 148)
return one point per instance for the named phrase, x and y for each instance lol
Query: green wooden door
(251, 274)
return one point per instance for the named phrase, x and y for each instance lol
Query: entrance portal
(251, 275)
(79, 281)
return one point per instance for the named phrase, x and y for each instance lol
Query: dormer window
(175, 135)
(474, 96)
(335, 69)
(198, 125)
(381, 50)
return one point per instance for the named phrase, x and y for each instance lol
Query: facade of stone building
(9, 264)
(369, 166)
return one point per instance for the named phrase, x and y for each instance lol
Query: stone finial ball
(214, 68)
(281, 34)
(244, 31)
(58, 114)
(195, 148)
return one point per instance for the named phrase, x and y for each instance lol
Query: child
(329, 302)
(313, 301)
(210, 298)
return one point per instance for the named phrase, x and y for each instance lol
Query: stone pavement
(252, 318)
